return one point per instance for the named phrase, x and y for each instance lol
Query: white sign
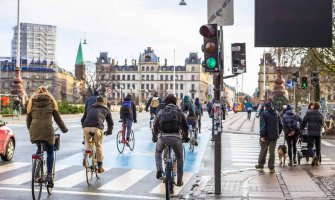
(109, 90)
(220, 12)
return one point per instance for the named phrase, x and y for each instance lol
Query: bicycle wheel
(95, 166)
(89, 168)
(131, 141)
(191, 143)
(119, 143)
(167, 181)
(49, 189)
(37, 179)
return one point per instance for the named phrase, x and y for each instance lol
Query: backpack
(191, 110)
(126, 108)
(169, 122)
(154, 102)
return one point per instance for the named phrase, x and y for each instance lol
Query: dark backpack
(126, 108)
(169, 121)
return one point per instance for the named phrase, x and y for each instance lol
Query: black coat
(314, 121)
(132, 115)
(95, 116)
(270, 125)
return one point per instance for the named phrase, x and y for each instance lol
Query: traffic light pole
(217, 122)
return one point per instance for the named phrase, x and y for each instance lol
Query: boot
(50, 181)
(179, 183)
(294, 160)
(290, 163)
(159, 174)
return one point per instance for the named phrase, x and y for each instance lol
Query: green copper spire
(80, 59)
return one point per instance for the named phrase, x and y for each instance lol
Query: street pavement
(240, 180)
(131, 175)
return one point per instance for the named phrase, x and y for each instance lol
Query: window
(142, 86)
(162, 77)
(181, 77)
(152, 86)
(118, 77)
(113, 77)
(147, 68)
(171, 86)
(152, 68)
(166, 77)
(118, 86)
(192, 69)
(181, 86)
(123, 77)
(152, 77)
(128, 77)
(176, 77)
(134, 77)
(176, 86)
(171, 77)
(113, 86)
(181, 95)
(147, 77)
(143, 77)
(161, 86)
(192, 86)
(147, 86)
(166, 86)
(128, 86)
(113, 95)
(133, 86)
(267, 78)
(192, 78)
(143, 68)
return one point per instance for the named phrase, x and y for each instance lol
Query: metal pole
(217, 126)
(263, 96)
(18, 36)
(174, 72)
(294, 97)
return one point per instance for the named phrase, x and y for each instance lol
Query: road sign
(109, 90)
(220, 12)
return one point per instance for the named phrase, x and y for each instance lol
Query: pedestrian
(128, 115)
(310, 106)
(291, 127)
(314, 121)
(199, 107)
(270, 129)
(283, 111)
(91, 100)
(170, 128)
(93, 122)
(192, 120)
(41, 108)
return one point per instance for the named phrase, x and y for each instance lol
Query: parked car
(7, 142)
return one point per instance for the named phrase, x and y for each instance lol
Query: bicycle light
(35, 156)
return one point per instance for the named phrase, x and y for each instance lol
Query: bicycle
(169, 173)
(329, 128)
(90, 160)
(152, 119)
(39, 169)
(192, 138)
(121, 140)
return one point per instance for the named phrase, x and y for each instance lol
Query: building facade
(147, 76)
(38, 42)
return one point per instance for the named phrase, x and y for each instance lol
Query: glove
(186, 139)
(65, 130)
(135, 121)
(154, 139)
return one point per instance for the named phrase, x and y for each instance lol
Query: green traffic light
(211, 63)
(304, 85)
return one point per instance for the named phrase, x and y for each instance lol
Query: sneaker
(159, 174)
(85, 162)
(101, 169)
(50, 181)
(314, 161)
(127, 142)
(259, 167)
(272, 171)
(179, 183)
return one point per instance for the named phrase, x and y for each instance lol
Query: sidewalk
(297, 182)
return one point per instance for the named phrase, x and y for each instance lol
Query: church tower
(80, 66)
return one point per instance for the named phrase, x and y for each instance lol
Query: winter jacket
(291, 122)
(270, 125)
(185, 104)
(193, 117)
(152, 109)
(90, 101)
(314, 121)
(181, 118)
(198, 105)
(132, 115)
(39, 120)
(95, 116)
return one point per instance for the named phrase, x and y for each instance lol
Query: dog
(282, 154)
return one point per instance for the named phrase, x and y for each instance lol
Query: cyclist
(128, 115)
(192, 119)
(170, 128)
(93, 122)
(249, 107)
(17, 104)
(91, 100)
(41, 108)
(185, 104)
(199, 107)
(153, 102)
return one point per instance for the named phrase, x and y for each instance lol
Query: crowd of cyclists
(171, 125)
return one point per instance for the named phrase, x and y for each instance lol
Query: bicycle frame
(169, 173)
(91, 164)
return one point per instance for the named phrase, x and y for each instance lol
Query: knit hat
(289, 107)
(268, 104)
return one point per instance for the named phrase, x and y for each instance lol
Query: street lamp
(174, 71)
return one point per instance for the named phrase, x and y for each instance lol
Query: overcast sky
(125, 28)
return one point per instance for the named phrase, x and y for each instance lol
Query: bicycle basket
(57, 142)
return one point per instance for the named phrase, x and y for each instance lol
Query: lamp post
(263, 74)
(174, 72)
(267, 92)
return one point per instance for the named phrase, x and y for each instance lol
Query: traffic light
(295, 76)
(210, 47)
(314, 78)
(303, 82)
(238, 58)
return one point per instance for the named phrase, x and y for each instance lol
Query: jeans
(311, 141)
(128, 123)
(50, 155)
(271, 145)
(177, 147)
(97, 141)
(292, 142)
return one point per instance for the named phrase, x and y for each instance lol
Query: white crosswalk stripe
(69, 176)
